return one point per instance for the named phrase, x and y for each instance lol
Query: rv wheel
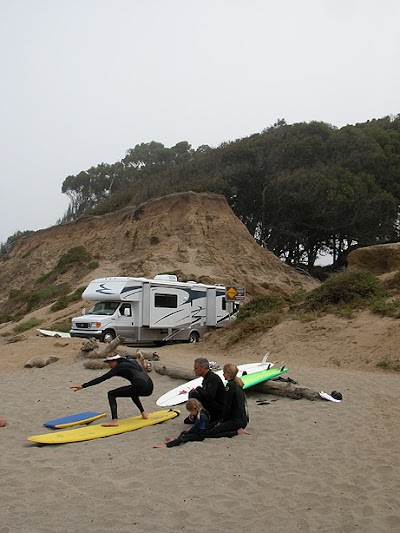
(194, 337)
(108, 336)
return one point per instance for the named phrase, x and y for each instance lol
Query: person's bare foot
(160, 446)
(111, 424)
(145, 415)
(168, 439)
(242, 431)
(3, 422)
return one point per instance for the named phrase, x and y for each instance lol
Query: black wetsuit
(197, 432)
(234, 415)
(211, 395)
(141, 384)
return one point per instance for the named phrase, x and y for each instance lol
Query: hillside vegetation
(301, 189)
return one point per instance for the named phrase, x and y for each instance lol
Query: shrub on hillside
(21, 301)
(78, 255)
(262, 322)
(24, 326)
(386, 364)
(393, 283)
(62, 325)
(63, 301)
(5, 248)
(353, 287)
(384, 307)
(43, 278)
(261, 305)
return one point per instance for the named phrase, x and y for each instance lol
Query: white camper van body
(152, 310)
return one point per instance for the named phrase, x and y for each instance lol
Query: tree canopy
(300, 189)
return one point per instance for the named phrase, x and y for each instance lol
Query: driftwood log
(95, 356)
(16, 338)
(91, 349)
(173, 371)
(279, 388)
(40, 362)
(149, 356)
(94, 364)
(144, 363)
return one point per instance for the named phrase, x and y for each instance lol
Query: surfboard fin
(264, 359)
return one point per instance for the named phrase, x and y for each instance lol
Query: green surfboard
(264, 375)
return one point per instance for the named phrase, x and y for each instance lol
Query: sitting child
(199, 429)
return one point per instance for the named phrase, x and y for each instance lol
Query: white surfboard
(180, 394)
(328, 397)
(48, 333)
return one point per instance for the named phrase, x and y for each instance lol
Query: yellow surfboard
(97, 431)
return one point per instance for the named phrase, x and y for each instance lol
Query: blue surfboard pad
(73, 420)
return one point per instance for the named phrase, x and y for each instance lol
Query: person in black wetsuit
(141, 385)
(199, 429)
(234, 418)
(211, 393)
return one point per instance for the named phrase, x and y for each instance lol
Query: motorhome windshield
(104, 308)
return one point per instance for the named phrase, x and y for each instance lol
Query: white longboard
(48, 333)
(180, 394)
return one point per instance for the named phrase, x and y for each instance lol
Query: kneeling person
(211, 393)
(234, 418)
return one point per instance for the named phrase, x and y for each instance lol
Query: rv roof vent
(166, 277)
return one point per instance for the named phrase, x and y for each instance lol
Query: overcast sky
(82, 81)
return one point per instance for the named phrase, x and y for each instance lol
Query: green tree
(300, 189)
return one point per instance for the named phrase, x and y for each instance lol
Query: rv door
(125, 321)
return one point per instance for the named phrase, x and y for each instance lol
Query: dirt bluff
(195, 236)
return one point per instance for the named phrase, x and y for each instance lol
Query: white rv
(152, 310)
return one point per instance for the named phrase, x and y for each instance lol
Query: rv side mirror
(84, 311)
(127, 311)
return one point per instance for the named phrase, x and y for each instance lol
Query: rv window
(166, 300)
(231, 307)
(125, 310)
(104, 308)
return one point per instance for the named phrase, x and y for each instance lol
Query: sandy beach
(309, 466)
